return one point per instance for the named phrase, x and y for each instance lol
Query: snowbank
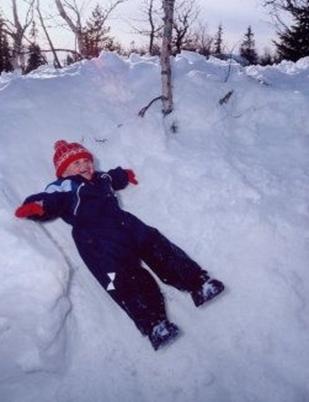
(230, 187)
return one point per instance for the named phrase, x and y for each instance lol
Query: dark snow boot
(210, 289)
(163, 333)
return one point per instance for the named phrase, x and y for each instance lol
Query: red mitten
(131, 176)
(28, 210)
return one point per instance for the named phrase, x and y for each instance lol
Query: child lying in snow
(112, 242)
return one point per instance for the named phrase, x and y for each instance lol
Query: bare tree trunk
(153, 18)
(57, 63)
(18, 60)
(76, 27)
(152, 27)
(166, 71)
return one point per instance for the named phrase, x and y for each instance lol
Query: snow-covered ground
(230, 187)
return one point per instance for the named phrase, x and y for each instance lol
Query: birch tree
(166, 71)
(165, 60)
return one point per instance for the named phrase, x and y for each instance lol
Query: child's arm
(43, 206)
(121, 178)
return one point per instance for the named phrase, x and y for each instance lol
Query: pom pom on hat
(66, 153)
(59, 144)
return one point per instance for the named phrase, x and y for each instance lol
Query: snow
(230, 187)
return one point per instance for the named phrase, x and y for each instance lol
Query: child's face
(83, 166)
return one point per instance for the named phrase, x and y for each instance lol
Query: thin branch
(112, 8)
(29, 15)
(62, 50)
(142, 112)
(56, 49)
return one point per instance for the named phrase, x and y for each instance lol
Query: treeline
(20, 39)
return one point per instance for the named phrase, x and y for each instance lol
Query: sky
(235, 17)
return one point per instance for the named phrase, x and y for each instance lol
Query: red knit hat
(66, 153)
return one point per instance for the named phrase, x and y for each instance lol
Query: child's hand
(30, 209)
(131, 176)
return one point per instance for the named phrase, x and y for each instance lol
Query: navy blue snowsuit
(113, 242)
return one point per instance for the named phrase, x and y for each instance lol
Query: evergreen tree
(95, 34)
(36, 59)
(247, 47)
(218, 43)
(267, 58)
(5, 51)
(294, 41)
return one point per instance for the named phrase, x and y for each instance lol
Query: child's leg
(172, 265)
(119, 272)
(138, 294)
